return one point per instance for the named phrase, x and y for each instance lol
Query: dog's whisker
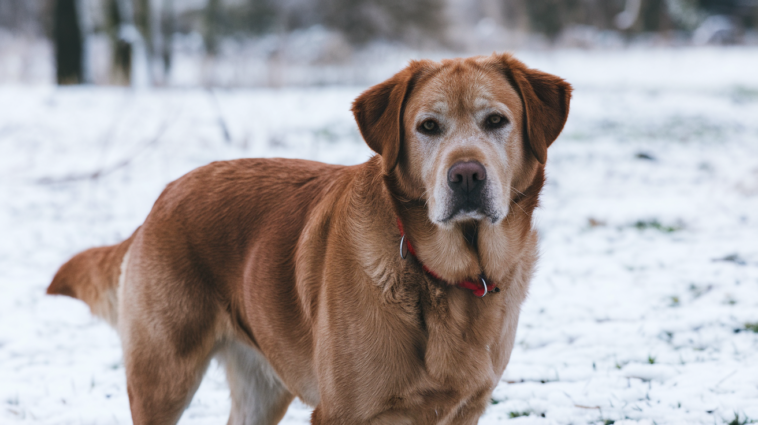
(518, 191)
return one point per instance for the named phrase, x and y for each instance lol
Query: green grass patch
(656, 225)
(740, 421)
(518, 414)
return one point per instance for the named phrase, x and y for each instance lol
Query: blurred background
(314, 42)
(644, 307)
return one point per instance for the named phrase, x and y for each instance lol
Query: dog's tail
(93, 277)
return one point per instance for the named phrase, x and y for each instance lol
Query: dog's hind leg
(160, 380)
(169, 332)
(258, 395)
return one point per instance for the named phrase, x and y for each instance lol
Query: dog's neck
(480, 286)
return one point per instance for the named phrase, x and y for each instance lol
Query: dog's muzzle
(468, 182)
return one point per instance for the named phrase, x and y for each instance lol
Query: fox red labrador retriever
(381, 293)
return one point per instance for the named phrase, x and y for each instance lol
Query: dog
(381, 293)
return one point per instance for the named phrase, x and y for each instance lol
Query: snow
(649, 225)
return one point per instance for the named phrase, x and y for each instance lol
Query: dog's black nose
(466, 176)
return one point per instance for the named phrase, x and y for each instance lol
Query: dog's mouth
(468, 212)
(476, 205)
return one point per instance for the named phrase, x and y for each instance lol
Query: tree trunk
(168, 28)
(86, 28)
(212, 18)
(121, 51)
(68, 43)
(130, 65)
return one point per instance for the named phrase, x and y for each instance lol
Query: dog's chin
(461, 215)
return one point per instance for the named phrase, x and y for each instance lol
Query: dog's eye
(496, 121)
(429, 127)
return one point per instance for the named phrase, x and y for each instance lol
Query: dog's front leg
(387, 418)
(319, 417)
(316, 416)
(469, 412)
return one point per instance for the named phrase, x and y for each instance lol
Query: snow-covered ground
(640, 312)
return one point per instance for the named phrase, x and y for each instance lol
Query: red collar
(479, 289)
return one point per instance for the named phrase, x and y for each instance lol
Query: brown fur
(288, 270)
(92, 276)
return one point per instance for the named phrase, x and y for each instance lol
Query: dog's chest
(463, 339)
(462, 349)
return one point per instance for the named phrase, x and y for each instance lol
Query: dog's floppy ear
(546, 104)
(379, 114)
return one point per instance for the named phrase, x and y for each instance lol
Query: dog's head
(466, 135)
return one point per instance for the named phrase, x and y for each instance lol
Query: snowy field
(644, 309)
